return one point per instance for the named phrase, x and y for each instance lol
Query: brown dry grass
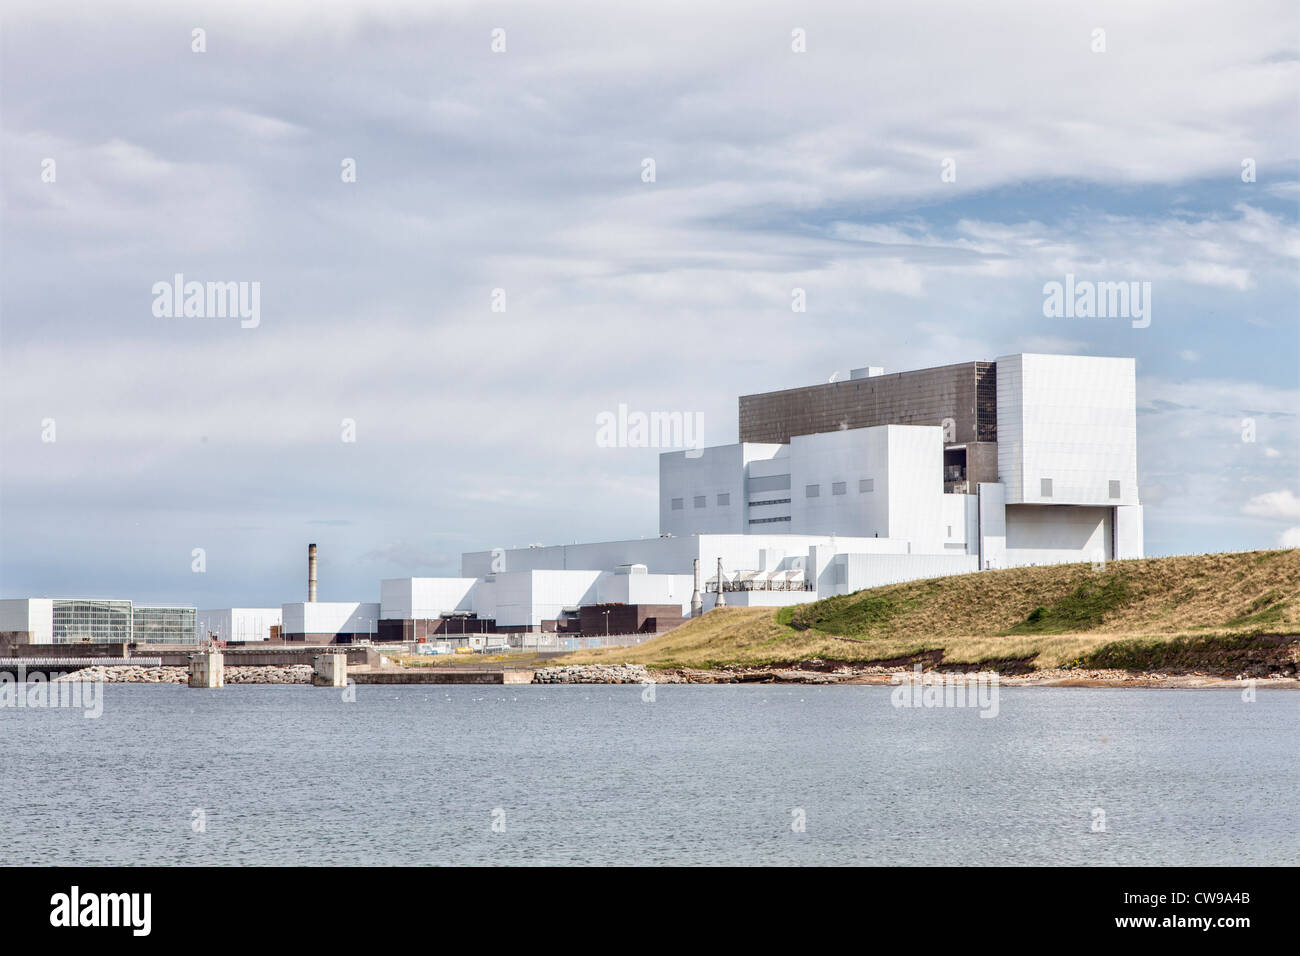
(1163, 595)
(968, 617)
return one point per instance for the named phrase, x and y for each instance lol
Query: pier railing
(36, 663)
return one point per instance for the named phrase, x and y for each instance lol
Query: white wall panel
(330, 617)
(992, 525)
(408, 599)
(238, 623)
(1128, 533)
(33, 615)
(853, 572)
(1060, 534)
(1071, 419)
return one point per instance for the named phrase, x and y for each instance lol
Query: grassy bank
(1218, 612)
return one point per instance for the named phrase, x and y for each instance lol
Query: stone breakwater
(287, 674)
(603, 674)
(130, 674)
(826, 672)
(805, 672)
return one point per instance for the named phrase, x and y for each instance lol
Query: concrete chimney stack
(722, 601)
(697, 599)
(311, 574)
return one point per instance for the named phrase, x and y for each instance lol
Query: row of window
(702, 501)
(865, 485)
(1045, 488)
(77, 621)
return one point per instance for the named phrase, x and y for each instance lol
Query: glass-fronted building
(154, 624)
(92, 620)
(78, 621)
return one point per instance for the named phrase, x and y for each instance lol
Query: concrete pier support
(207, 669)
(330, 670)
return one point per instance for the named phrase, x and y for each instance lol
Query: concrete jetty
(207, 669)
(329, 670)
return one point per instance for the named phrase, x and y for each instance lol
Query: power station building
(1031, 459)
(876, 479)
(872, 480)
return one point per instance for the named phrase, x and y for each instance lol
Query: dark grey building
(962, 397)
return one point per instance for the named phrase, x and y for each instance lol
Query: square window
(812, 491)
(838, 488)
(1045, 487)
(724, 499)
(1114, 489)
(700, 500)
(677, 504)
(866, 484)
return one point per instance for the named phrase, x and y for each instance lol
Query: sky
(463, 260)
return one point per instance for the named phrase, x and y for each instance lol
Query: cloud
(1273, 504)
(408, 556)
(521, 171)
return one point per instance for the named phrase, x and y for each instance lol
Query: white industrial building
(765, 569)
(874, 479)
(326, 622)
(239, 624)
(1065, 488)
(884, 482)
(878, 479)
(534, 588)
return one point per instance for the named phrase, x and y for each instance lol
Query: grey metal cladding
(965, 393)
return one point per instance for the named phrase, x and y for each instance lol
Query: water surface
(701, 775)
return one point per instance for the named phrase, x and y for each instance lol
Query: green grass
(861, 614)
(1083, 609)
(1265, 609)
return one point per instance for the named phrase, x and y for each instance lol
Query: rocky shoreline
(131, 674)
(818, 672)
(805, 672)
(605, 674)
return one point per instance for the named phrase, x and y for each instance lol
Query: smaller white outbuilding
(238, 623)
(330, 622)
